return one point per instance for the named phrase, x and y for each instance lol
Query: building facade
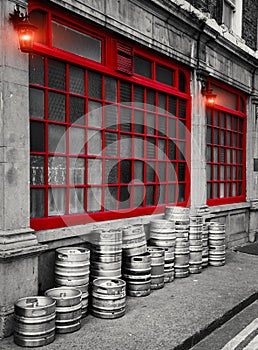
(108, 120)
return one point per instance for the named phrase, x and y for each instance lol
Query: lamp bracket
(17, 17)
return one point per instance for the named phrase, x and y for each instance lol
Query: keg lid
(63, 293)
(34, 302)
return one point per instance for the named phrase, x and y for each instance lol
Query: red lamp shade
(210, 98)
(26, 32)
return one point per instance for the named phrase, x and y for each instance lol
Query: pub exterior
(108, 120)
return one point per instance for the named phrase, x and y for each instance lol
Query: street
(239, 333)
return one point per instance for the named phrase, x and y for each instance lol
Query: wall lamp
(207, 92)
(25, 30)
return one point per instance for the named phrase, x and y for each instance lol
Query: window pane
(111, 195)
(181, 130)
(125, 171)
(36, 70)
(142, 66)
(151, 147)
(95, 171)
(181, 193)
(37, 203)
(171, 127)
(181, 171)
(56, 138)
(162, 150)
(125, 146)
(76, 140)
(162, 103)
(124, 198)
(37, 170)
(76, 80)
(76, 42)
(111, 144)
(36, 103)
(182, 81)
(56, 201)
(181, 150)
(172, 177)
(138, 96)
(138, 196)
(111, 172)
(138, 147)
(56, 74)
(76, 204)
(139, 122)
(150, 193)
(151, 124)
(111, 117)
(37, 137)
(56, 106)
(94, 199)
(162, 194)
(164, 75)
(138, 171)
(94, 84)
(162, 172)
(56, 170)
(125, 92)
(77, 110)
(151, 100)
(95, 114)
(110, 89)
(77, 171)
(209, 173)
(171, 150)
(171, 193)
(125, 119)
(162, 123)
(181, 108)
(150, 172)
(94, 142)
(172, 105)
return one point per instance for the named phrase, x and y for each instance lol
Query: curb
(198, 336)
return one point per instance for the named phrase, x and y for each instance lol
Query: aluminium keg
(205, 246)
(217, 244)
(169, 271)
(106, 253)
(72, 266)
(134, 240)
(157, 267)
(162, 233)
(195, 259)
(182, 257)
(137, 274)
(177, 214)
(34, 321)
(108, 298)
(68, 308)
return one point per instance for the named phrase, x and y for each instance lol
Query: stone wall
(250, 10)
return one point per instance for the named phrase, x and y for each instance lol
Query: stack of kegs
(34, 321)
(195, 244)
(108, 298)
(163, 234)
(217, 244)
(106, 253)
(205, 245)
(180, 217)
(136, 261)
(72, 268)
(68, 308)
(137, 274)
(157, 267)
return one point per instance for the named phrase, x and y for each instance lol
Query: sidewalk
(172, 317)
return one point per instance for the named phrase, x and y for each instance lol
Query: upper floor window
(232, 15)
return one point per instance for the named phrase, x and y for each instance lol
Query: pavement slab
(174, 317)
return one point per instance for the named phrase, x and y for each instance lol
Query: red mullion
(156, 199)
(67, 116)
(144, 142)
(243, 165)
(86, 143)
(118, 165)
(166, 150)
(103, 187)
(132, 151)
(46, 135)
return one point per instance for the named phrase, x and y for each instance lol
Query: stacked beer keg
(163, 235)
(72, 268)
(205, 245)
(195, 244)
(106, 253)
(68, 308)
(217, 244)
(180, 217)
(136, 261)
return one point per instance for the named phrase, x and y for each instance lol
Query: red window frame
(226, 150)
(108, 68)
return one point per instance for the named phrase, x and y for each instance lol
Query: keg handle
(63, 295)
(33, 301)
(62, 256)
(136, 259)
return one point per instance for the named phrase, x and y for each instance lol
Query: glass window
(142, 66)
(76, 42)
(164, 75)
